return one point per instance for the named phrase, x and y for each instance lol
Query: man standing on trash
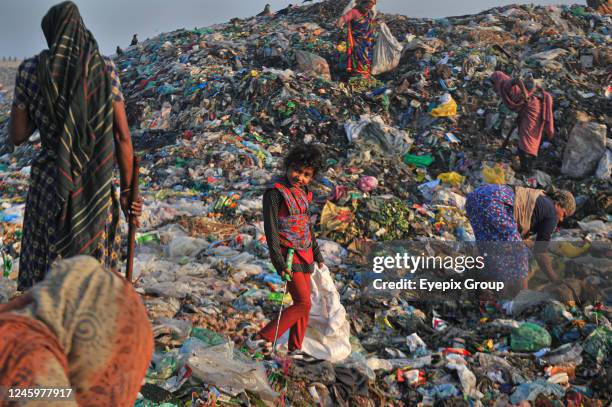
(72, 95)
(134, 40)
(534, 107)
(287, 226)
(361, 36)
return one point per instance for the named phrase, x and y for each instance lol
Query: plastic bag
(494, 175)
(216, 367)
(448, 107)
(186, 246)
(529, 337)
(312, 63)
(367, 183)
(419, 160)
(451, 178)
(329, 331)
(387, 51)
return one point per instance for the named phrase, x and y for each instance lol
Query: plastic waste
(387, 51)
(447, 107)
(367, 183)
(494, 175)
(415, 343)
(531, 390)
(529, 337)
(467, 379)
(451, 178)
(599, 343)
(312, 63)
(328, 330)
(421, 161)
(214, 366)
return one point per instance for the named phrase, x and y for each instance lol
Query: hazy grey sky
(114, 21)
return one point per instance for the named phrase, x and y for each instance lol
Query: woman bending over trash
(501, 217)
(361, 37)
(71, 94)
(535, 113)
(82, 334)
(287, 226)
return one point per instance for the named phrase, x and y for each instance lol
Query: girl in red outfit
(287, 225)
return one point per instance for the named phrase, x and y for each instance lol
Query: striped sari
(69, 91)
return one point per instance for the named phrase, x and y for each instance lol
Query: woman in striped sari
(71, 94)
(361, 23)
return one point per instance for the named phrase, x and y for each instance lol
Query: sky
(113, 22)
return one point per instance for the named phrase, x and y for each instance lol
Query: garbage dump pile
(213, 110)
(7, 80)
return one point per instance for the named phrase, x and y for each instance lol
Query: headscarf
(516, 97)
(365, 6)
(504, 86)
(76, 88)
(86, 328)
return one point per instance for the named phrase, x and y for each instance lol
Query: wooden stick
(131, 227)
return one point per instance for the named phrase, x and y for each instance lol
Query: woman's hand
(134, 210)
(340, 23)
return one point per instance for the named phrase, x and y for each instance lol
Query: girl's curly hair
(305, 155)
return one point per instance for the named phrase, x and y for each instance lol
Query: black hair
(305, 155)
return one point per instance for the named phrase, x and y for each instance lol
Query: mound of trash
(212, 111)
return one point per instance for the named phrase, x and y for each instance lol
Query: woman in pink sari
(535, 113)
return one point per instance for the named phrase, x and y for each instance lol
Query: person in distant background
(601, 6)
(361, 37)
(72, 95)
(134, 40)
(535, 113)
(119, 51)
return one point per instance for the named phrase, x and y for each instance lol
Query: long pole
(280, 311)
(131, 226)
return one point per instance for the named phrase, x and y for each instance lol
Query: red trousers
(296, 316)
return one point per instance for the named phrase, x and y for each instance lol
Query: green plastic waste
(276, 297)
(152, 237)
(207, 336)
(419, 160)
(529, 337)
(599, 343)
(164, 369)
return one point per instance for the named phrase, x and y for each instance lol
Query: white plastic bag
(328, 333)
(387, 51)
(215, 366)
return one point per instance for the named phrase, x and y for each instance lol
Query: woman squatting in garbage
(287, 226)
(361, 37)
(502, 217)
